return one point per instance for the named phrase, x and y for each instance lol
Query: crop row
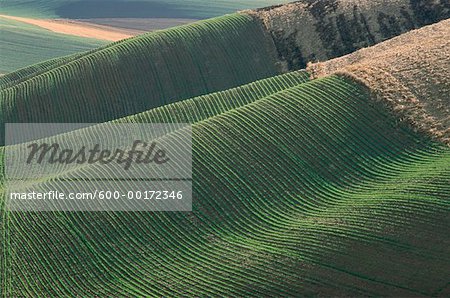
(295, 192)
(137, 74)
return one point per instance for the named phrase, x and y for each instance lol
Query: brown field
(81, 29)
(409, 72)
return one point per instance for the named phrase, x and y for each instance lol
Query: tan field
(76, 28)
(409, 72)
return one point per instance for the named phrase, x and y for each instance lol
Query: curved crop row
(23, 74)
(212, 55)
(205, 106)
(314, 189)
(144, 72)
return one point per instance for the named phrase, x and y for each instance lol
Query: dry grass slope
(318, 30)
(409, 72)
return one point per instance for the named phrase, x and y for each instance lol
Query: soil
(318, 30)
(410, 73)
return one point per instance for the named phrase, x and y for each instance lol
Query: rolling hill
(302, 31)
(319, 200)
(329, 181)
(209, 56)
(18, 40)
(179, 63)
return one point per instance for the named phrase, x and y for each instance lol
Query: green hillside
(329, 182)
(23, 45)
(302, 31)
(327, 191)
(144, 72)
(150, 70)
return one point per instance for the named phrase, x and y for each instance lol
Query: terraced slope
(145, 72)
(409, 73)
(22, 45)
(315, 189)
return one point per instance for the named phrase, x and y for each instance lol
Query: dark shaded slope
(317, 30)
(198, 108)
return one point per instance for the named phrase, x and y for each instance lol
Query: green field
(211, 55)
(195, 9)
(302, 186)
(22, 45)
(327, 191)
(306, 31)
